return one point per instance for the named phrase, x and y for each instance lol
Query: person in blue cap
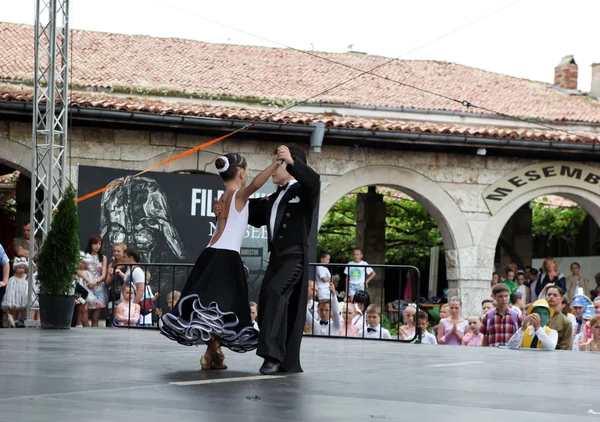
(582, 337)
(579, 304)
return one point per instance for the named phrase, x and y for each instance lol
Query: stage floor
(133, 375)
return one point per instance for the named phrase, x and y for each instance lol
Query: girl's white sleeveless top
(235, 228)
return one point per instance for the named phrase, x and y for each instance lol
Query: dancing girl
(214, 308)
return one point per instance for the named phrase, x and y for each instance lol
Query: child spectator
(312, 304)
(253, 315)
(501, 323)
(358, 277)
(444, 313)
(172, 299)
(452, 329)
(148, 300)
(15, 298)
(374, 329)
(522, 287)
(580, 302)
(128, 312)
(348, 313)
(407, 331)
(361, 301)
(566, 310)
(97, 270)
(423, 322)
(585, 334)
(517, 303)
(329, 321)
(323, 276)
(487, 305)
(495, 279)
(532, 282)
(84, 278)
(534, 334)
(472, 335)
(510, 280)
(593, 344)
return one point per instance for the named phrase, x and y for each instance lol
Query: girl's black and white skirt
(214, 301)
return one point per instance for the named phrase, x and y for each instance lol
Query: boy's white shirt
(385, 334)
(332, 328)
(428, 338)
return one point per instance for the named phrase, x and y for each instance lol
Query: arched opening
(424, 208)
(390, 228)
(560, 221)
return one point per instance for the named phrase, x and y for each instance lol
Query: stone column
(370, 236)
(469, 272)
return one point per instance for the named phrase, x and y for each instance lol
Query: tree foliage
(556, 222)
(409, 235)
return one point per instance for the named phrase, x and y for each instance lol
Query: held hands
(3, 284)
(536, 321)
(283, 153)
(526, 322)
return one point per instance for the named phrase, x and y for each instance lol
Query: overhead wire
(464, 103)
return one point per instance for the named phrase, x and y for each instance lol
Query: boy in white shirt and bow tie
(329, 321)
(374, 329)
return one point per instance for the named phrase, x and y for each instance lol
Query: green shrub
(58, 260)
(393, 329)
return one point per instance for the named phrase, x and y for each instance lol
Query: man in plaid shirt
(501, 323)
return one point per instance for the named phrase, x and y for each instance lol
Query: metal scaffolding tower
(50, 112)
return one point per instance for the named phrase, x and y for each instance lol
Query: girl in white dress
(15, 298)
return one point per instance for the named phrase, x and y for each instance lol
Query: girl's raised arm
(245, 193)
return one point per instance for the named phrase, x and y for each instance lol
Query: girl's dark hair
(93, 240)
(362, 297)
(236, 163)
(323, 254)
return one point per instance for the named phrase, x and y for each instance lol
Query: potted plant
(58, 262)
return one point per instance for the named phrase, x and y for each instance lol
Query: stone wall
(450, 186)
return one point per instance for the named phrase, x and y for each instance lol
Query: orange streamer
(170, 160)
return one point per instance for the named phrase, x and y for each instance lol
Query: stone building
(137, 101)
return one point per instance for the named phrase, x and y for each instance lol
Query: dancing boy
(288, 215)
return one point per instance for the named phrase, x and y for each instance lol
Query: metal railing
(390, 316)
(170, 277)
(161, 279)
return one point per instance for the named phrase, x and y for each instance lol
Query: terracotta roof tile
(14, 93)
(104, 60)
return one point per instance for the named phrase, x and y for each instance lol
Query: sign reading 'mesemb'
(541, 175)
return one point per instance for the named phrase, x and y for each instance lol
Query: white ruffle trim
(204, 322)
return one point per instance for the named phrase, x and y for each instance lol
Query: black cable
(464, 103)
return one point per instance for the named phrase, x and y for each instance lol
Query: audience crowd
(527, 308)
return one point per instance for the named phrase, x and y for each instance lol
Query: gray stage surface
(130, 375)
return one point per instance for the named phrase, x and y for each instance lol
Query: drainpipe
(316, 137)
